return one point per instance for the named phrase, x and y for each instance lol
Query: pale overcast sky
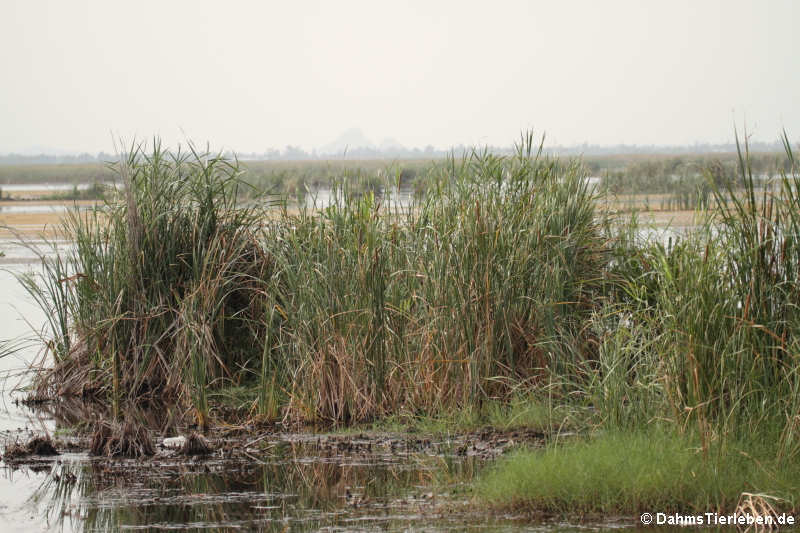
(253, 75)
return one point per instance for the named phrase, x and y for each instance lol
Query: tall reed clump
(162, 293)
(718, 312)
(481, 287)
(479, 290)
(696, 384)
(760, 256)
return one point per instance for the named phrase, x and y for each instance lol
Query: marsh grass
(38, 445)
(96, 191)
(56, 173)
(645, 470)
(127, 439)
(296, 180)
(723, 305)
(521, 412)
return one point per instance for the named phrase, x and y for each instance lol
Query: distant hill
(351, 140)
(390, 144)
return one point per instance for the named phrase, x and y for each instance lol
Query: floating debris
(194, 444)
(174, 443)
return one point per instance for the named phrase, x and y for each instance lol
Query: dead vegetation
(128, 439)
(39, 445)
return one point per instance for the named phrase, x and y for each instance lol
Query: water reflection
(289, 487)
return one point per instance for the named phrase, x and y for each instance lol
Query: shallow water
(24, 207)
(323, 197)
(14, 252)
(285, 488)
(54, 187)
(19, 317)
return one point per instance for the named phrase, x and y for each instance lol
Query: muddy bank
(249, 442)
(267, 479)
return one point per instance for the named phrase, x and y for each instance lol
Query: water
(50, 187)
(323, 197)
(14, 253)
(287, 486)
(32, 208)
(19, 316)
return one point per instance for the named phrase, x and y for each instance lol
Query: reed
(475, 288)
(162, 287)
(343, 314)
(502, 281)
(698, 338)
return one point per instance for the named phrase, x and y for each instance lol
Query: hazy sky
(253, 75)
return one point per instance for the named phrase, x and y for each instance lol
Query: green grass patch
(95, 191)
(518, 413)
(56, 173)
(628, 473)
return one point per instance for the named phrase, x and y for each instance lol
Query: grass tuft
(632, 472)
